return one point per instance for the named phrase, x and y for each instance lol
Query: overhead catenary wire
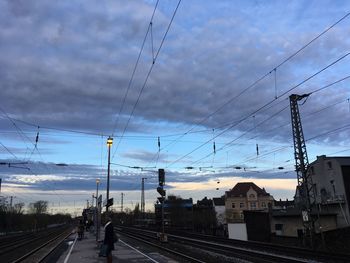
(30, 141)
(25, 165)
(249, 159)
(263, 77)
(314, 112)
(135, 67)
(147, 77)
(264, 106)
(152, 137)
(281, 148)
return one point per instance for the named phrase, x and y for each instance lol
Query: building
(245, 196)
(283, 204)
(288, 222)
(204, 218)
(331, 190)
(178, 213)
(219, 207)
(331, 185)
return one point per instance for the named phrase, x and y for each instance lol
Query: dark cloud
(75, 73)
(68, 65)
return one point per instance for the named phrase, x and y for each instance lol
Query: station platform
(86, 250)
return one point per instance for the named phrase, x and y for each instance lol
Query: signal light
(161, 177)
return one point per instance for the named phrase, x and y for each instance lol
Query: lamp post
(143, 197)
(97, 212)
(97, 183)
(109, 145)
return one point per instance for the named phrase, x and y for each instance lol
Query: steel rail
(269, 251)
(143, 238)
(36, 249)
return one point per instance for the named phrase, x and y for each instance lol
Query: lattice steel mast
(305, 185)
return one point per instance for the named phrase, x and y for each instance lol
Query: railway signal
(161, 179)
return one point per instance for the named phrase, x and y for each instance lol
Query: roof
(344, 160)
(219, 201)
(205, 202)
(241, 190)
(285, 203)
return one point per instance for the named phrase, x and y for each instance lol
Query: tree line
(13, 218)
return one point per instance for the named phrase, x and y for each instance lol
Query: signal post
(161, 178)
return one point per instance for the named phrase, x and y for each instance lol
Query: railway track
(208, 250)
(274, 248)
(153, 241)
(32, 247)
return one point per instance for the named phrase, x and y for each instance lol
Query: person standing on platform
(109, 238)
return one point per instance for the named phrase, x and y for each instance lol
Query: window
(329, 164)
(241, 205)
(278, 226)
(233, 205)
(253, 205)
(241, 215)
(263, 204)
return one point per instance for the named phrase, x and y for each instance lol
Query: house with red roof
(245, 196)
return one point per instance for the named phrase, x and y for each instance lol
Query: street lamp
(109, 145)
(97, 210)
(97, 183)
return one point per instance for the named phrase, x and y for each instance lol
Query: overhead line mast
(305, 193)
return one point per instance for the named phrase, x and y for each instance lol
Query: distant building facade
(331, 190)
(204, 218)
(245, 196)
(331, 185)
(178, 213)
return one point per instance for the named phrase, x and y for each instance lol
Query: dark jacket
(109, 235)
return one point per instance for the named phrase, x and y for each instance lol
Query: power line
(25, 136)
(264, 106)
(264, 76)
(140, 136)
(134, 70)
(147, 77)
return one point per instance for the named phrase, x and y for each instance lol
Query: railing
(335, 199)
(330, 199)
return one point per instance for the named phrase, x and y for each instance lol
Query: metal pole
(143, 198)
(122, 202)
(163, 216)
(109, 144)
(97, 212)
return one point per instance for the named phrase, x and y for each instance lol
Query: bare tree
(18, 208)
(38, 207)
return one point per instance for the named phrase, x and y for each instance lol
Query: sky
(168, 80)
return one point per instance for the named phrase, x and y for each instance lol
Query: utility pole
(122, 202)
(143, 197)
(109, 145)
(11, 200)
(97, 211)
(305, 185)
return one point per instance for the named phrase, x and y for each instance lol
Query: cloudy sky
(168, 81)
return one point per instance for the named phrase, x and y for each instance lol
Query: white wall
(237, 231)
